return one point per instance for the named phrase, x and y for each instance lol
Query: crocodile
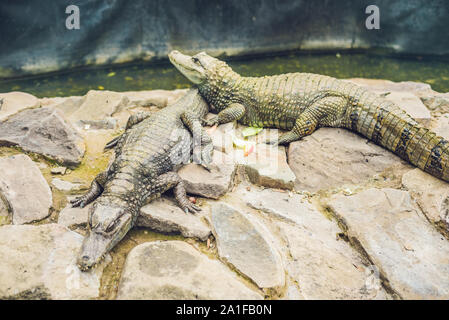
(302, 102)
(147, 156)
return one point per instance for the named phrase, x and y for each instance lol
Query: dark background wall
(34, 39)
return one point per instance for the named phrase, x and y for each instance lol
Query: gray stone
(323, 266)
(67, 105)
(13, 102)
(175, 270)
(108, 123)
(165, 216)
(437, 102)
(99, 105)
(39, 262)
(25, 190)
(331, 158)
(213, 184)
(408, 252)
(267, 166)
(442, 126)
(432, 196)
(243, 243)
(158, 98)
(65, 185)
(46, 132)
(73, 217)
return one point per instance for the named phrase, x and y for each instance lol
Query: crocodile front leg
(202, 143)
(234, 111)
(96, 188)
(170, 180)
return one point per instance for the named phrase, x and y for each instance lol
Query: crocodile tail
(393, 129)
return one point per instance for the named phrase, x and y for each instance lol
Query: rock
(432, 196)
(323, 266)
(243, 243)
(39, 262)
(165, 216)
(409, 253)
(58, 170)
(211, 184)
(67, 105)
(437, 102)
(24, 188)
(267, 166)
(441, 127)
(108, 123)
(44, 131)
(159, 98)
(13, 102)
(65, 185)
(169, 270)
(222, 137)
(99, 105)
(411, 104)
(331, 158)
(73, 217)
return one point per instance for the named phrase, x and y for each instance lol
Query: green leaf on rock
(251, 131)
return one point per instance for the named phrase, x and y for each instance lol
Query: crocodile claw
(190, 207)
(272, 142)
(78, 202)
(210, 122)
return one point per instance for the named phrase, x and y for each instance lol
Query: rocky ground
(332, 216)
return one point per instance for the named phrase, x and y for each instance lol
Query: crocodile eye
(111, 226)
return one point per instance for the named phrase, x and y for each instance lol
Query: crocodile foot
(78, 202)
(210, 122)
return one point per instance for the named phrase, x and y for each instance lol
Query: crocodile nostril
(85, 258)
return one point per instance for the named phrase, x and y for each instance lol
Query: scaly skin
(146, 158)
(303, 102)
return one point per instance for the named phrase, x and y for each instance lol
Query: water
(164, 76)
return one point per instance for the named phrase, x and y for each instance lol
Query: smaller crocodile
(147, 155)
(303, 102)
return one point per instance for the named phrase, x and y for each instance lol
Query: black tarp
(34, 38)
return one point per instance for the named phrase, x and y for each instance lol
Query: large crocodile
(303, 102)
(147, 155)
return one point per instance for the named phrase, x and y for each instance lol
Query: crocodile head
(195, 68)
(108, 224)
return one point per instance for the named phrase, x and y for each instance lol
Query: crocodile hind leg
(324, 112)
(96, 188)
(132, 120)
(168, 181)
(202, 143)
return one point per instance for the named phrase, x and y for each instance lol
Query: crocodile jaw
(187, 66)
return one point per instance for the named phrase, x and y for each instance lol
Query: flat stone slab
(158, 98)
(98, 105)
(24, 189)
(442, 126)
(436, 102)
(432, 196)
(13, 102)
(323, 266)
(332, 158)
(165, 216)
(243, 243)
(170, 270)
(73, 217)
(39, 262)
(46, 132)
(213, 184)
(408, 251)
(65, 185)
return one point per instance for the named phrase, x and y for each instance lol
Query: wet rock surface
(38, 262)
(175, 270)
(44, 131)
(23, 189)
(397, 238)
